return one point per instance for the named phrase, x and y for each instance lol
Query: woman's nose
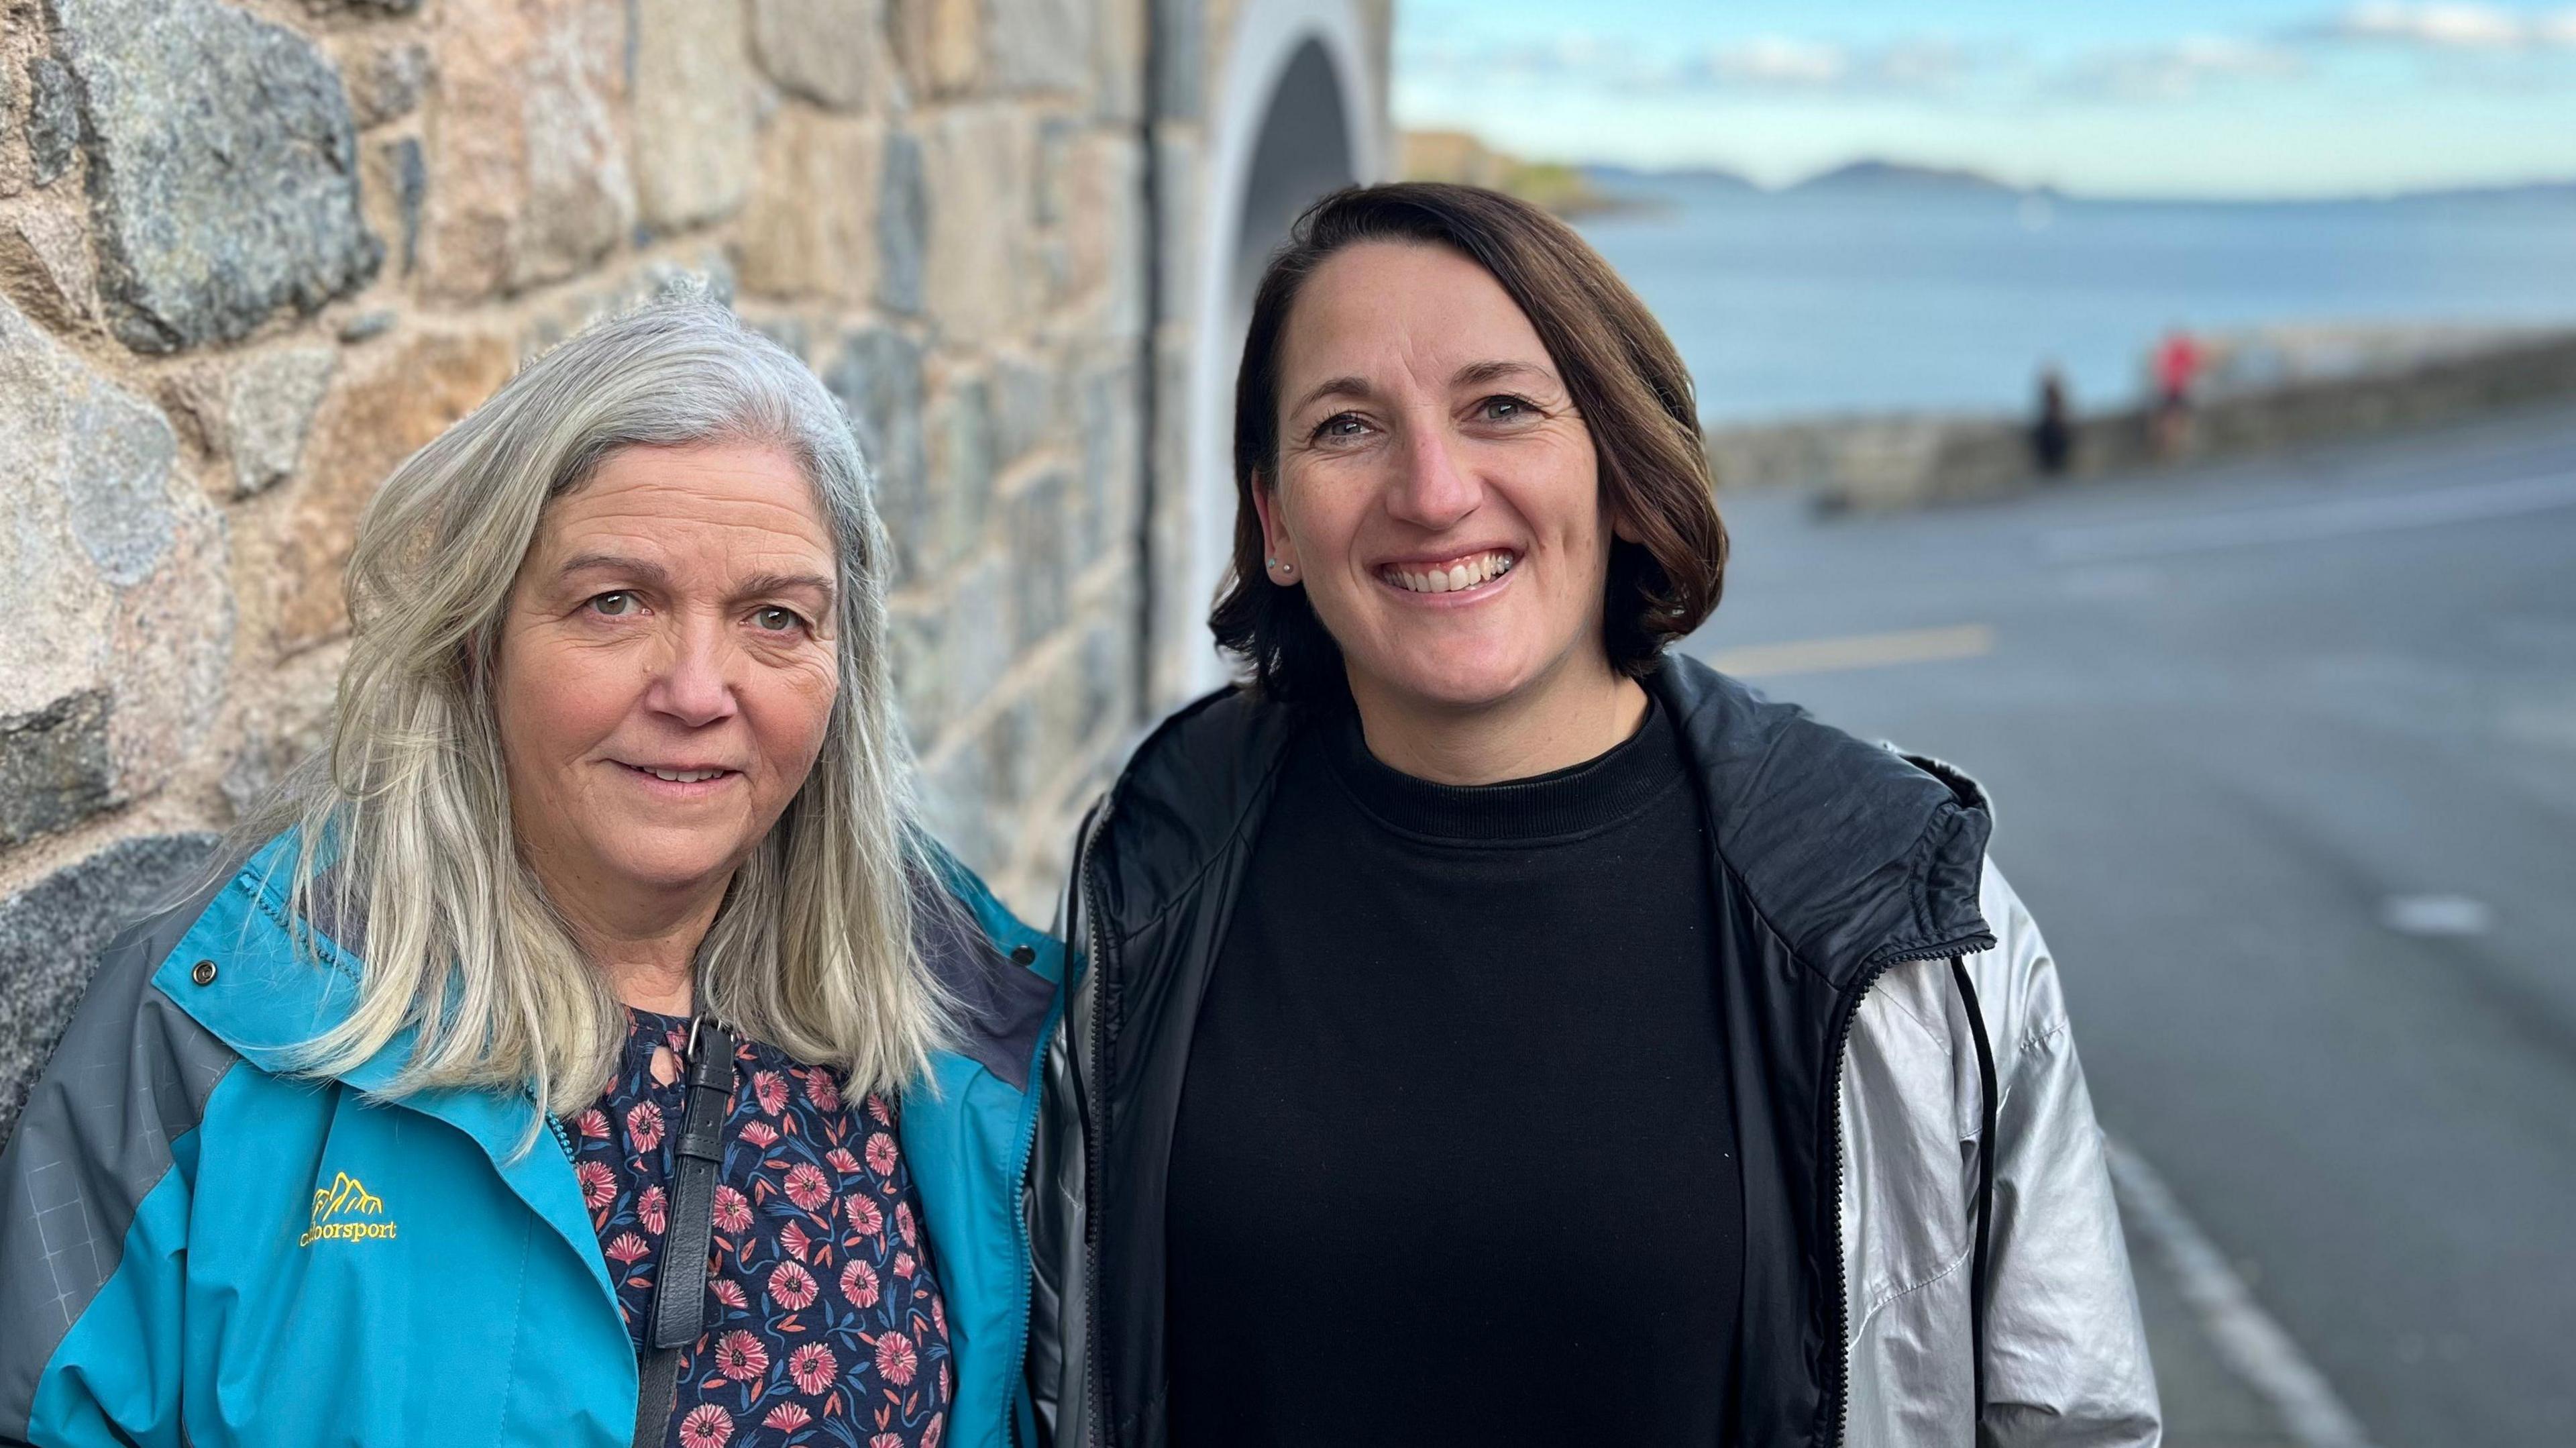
(694, 684)
(1432, 490)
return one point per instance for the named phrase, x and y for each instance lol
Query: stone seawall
(1867, 463)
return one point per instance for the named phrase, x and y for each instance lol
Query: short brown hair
(1622, 372)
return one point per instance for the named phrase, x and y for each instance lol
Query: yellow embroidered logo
(340, 1213)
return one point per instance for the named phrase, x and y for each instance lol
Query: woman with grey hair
(601, 937)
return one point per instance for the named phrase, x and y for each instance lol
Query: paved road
(2285, 761)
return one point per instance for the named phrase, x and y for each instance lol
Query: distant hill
(2557, 193)
(1456, 156)
(1897, 175)
(1713, 177)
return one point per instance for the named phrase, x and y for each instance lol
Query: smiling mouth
(681, 776)
(1455, 576)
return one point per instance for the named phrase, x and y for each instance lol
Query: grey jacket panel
(2066, 1353)
(131, 1077)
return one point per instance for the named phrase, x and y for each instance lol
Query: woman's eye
(616, 605)
(1340, 425)
(1503, 409)
(776, 620)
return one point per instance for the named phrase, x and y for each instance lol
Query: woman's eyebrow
(773, 583)
(1353, 386)
(1476, 374)
(641, 570)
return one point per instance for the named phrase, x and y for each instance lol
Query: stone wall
(1905, 461)
(254, 252)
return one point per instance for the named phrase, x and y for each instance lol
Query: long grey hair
(405, 819)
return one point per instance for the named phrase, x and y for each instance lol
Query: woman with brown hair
(1495, 1028)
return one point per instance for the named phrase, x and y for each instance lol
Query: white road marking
(1857, 651)
(2243, 1335)
(2306, 522)
(2435, 915)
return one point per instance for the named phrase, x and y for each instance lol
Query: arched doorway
(1292, 120)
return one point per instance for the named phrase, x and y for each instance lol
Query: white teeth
(1483, 568)
(682, 776)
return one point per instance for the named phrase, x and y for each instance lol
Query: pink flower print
(865, 1218)
(598, 1188)
(627, 1250)
(904, 1266)
(707, 1426)
(806, 1186)
(903, 1223)
(769, 1091)
(939, 1320)
(651, 1208)
(592, 1123)
(877, 1109)
(896, 1361)
(740, 1356)
(788, 1417)
(793, 1238)
(886, 1440)
(813, 1368)
(938, 1421)
(732, 1210)
(644, 1125)
(760, 1134)
(881, 1154)
(729, 1292)
(842, 1161)
(791, 1286)
(822, 1090)
(859, 1283)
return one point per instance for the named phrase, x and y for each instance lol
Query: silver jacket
(2066, 1354)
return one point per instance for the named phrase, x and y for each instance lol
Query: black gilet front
(1454, 1161)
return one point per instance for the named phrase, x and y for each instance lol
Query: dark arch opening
(1304, 151)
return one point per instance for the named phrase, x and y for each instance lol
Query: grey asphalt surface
(2227, 716)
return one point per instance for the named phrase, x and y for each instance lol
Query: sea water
(1898, 299)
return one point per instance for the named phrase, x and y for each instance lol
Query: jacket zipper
(1839, 1385)
(1028, 1135)
(1094, 1134)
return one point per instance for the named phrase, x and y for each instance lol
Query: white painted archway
(1293, 115)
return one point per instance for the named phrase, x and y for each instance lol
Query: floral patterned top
(825, 1324)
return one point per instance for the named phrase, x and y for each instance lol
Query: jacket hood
(1853, 854)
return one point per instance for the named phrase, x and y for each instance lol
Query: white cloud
(2453, 26)
(1910, 65)
(2179, 70)
(1782, 61)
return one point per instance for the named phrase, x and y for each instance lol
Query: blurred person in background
(1496, 1028)
(2177, 367)
(2052, 436)
(602, 937)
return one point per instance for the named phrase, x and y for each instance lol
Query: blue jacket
(165, 1272)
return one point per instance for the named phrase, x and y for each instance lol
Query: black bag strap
(1979, 1288)
(678, 1314)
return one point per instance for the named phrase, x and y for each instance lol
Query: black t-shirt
(1455, 1161)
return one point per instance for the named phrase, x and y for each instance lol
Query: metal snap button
(1024, 955)
(203, 973)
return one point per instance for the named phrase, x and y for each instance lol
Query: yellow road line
(1858, 651)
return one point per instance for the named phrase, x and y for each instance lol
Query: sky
(2216, 98)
